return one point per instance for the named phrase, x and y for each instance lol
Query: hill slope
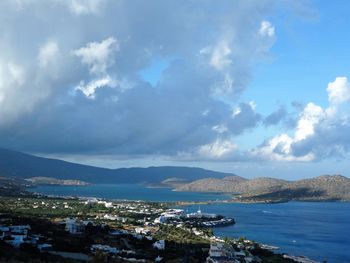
(23, 165)
(326, 187)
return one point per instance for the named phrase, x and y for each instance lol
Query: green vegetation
(180, 235)
(112, 224)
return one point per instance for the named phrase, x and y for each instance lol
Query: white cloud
(225, 87)
(279, 148)
(98, 55)
(221, 128)
(90, 88)
(318, 133)
(217, 149)
(47, 53)
(76, 7)
(236, 111)
(82, 7)
(220, 56)
(16, 73)
(252, 104)
(339, 90)
(266, 29)
(309, 118)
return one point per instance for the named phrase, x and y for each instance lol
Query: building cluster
(238, 252)
(75, 226)
(178, 217)
(129, 231)
(17, 235)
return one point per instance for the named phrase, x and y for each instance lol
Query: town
(95, 230)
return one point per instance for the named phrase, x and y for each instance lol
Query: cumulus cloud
(319, 132)
(220, 56)
(266, 29)
(339, 91)
(98, 55)
(90, 88)
(47, 53)
(83, 7)
(74, 86)
(280, 147)
(217, 149)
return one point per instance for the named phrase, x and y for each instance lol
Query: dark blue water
(320, 231)
(126, 191)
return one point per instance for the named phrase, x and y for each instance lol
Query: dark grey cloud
(244, 119)
(276, 117)
(74, 86)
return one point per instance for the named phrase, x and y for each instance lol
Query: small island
(40, 180)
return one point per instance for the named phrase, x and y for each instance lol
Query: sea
(317, 230)
(126, 191)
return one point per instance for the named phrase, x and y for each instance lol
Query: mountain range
(22, 165)
(16, 166)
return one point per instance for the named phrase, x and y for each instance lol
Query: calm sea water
(126, 191)
(320, 231)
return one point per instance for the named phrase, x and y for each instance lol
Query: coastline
(273, 249)
(231, 198)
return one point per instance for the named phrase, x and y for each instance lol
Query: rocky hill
(228, 184)
(234, 184)
(326, 187)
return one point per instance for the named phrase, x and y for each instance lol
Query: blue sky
(257, 88)
(307, 55)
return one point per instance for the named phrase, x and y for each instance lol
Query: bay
(126, 191)
(318, 230)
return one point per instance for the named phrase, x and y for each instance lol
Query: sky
(256, 88)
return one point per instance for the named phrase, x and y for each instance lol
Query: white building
(199, 214)
(4, 231)
(104, 248)
(108, 204)
(143, 231)
(159, 244)
(158, 259)
(23, 229)
(16, 239)
(72, 226)
(220, 250)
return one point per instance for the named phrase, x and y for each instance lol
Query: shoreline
(229, 200)
(217, 237)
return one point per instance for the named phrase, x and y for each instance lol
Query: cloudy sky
(258, 88)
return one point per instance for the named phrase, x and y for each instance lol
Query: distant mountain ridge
(22, 165)
(16, 166)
